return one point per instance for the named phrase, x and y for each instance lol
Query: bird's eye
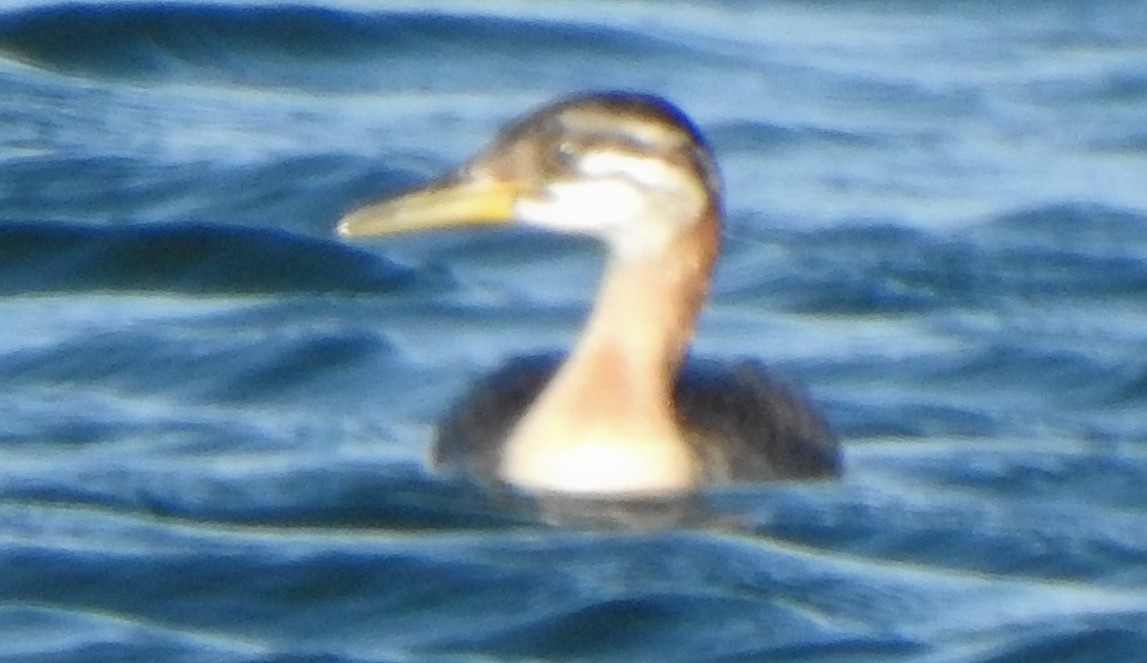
(565, 152)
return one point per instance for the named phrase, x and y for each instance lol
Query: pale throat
(605, 424)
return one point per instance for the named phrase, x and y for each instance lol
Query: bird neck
(605, 423)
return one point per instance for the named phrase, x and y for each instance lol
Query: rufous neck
(646, 307)
(605, 423)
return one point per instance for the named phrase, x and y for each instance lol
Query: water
(214, 415)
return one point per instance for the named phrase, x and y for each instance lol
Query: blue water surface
(215, 415)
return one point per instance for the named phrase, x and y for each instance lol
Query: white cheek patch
(587, 206)
(634, 204)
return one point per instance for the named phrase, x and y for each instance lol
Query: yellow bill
(450, 201)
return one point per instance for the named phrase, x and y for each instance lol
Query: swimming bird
(627, 413)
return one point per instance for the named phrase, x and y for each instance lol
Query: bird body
(740, 422)
(622, 416)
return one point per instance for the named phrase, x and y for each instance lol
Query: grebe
(626, 415)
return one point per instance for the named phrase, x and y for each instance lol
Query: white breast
(601, 467)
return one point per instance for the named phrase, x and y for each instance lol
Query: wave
(1060, 252)
(43, 257)
(291, 45)
(752, 137)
